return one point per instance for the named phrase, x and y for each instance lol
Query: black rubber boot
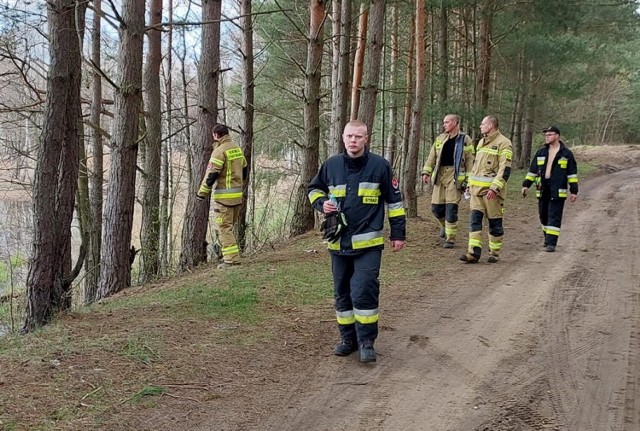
(345, 347)
(367, 352)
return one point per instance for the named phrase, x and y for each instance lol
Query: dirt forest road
(539, 341)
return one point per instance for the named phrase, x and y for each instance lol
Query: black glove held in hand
(333, 226)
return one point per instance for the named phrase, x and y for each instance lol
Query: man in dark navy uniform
(358, 184)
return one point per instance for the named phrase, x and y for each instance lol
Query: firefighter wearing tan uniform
(488, 189)
(224, 179)
(447, 168)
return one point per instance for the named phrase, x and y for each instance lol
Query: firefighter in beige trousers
(225, 179)
(447, 167)
(488, 189)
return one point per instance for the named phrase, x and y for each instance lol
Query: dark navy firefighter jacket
(362, 186)
(564, 172)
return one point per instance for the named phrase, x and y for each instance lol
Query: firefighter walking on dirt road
(488, 189)
(553, 169)
(351, 190)
(449, 162)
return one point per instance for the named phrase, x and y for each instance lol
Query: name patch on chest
(371, 200)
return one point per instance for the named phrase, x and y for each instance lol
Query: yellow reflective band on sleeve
(316, 194)
(499, 183)
(345, 317)
(427, 171)
(573, 179)
(366, 240)
(204, 189)
(338, 191)
(487, 150)
(234, 153)
(468, 148)
(396, 213)
(366, 316)
(369, 189)
(217, 162)
(531, 176)
(333, 245)
(508, 154)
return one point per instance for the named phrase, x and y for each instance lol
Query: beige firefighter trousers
(225, 221)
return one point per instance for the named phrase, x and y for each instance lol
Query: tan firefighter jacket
(492, 167)
(462, 159)
(224, 173)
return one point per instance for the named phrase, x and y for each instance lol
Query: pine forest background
(106, 110)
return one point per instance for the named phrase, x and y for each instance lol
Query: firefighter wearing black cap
(555, 172)
(360, 185)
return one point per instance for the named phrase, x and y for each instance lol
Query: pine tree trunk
(150, 238)
(166, 228)
(484, 52)
(48, 286)
(443, 55)
(303, 219)
(392, 138)
(411, 166)
(194, 229)
(406, 122)
(358, 63)
(340, 73)
(115, 273)
(375, 41)
(246, 22)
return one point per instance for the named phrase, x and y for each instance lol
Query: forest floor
(537, 341)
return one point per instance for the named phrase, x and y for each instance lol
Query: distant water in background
(16, 226)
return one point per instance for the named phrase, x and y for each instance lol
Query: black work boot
(367, 352)
(345, 347)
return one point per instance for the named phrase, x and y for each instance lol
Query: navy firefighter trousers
(356, 290)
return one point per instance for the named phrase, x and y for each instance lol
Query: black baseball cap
(553, 129)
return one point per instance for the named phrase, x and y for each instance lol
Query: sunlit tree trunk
(303, 219)
(443, 55)
(194, 230)
(115, 271)
(411, 165)
(340, 72)
(358, 63)
(56, 175)
(150, 237)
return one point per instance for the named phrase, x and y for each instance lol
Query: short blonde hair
(357, 123)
